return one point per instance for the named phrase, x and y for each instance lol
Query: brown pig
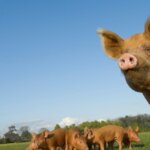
(90, 141)
(48, 140)
(130, 136)
(133, 55)
(74, 140)
(108, 134)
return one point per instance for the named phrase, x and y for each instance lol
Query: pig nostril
(122, 60)
(131, 60)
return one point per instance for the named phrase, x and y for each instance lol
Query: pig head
(133, 57)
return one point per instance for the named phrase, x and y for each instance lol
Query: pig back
(57, 138)
(70, 133)
(110, 132)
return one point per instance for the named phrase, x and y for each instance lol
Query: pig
(48, 140)
(131, 136)
(109, 134)
(90, 141)
(132, 55)
(75, 140)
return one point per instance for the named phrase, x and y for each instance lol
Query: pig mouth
(137, 78)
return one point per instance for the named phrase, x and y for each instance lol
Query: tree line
(23, 134)
(13, 135)
(141, 121)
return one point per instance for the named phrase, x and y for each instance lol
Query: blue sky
(52, 63)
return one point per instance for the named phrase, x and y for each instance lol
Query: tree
(12, 136)
(2, 140)
(12, 129)
(25, 134)
(57, 126)
(23, 129)
(43, 129)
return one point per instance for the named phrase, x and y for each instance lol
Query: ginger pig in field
(133, 56)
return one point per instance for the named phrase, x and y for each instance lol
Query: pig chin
(137, 79)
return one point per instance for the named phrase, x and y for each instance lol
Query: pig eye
(146, 47)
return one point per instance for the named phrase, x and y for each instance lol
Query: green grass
(14, 146)
(143, 145)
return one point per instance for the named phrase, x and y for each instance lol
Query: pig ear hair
(147, 27)
(48, 134)
(137, 129)
(33, 134)
(45, 133)
(130, 128)
(112, 43)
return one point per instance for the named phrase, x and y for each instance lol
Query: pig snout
(137, 139)
(127, 61)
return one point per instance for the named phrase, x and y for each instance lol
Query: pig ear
(130, 128)
(90, 134)
(33, 135)
(48, 134)
(112, 43)
(147, 28)
(137, 129)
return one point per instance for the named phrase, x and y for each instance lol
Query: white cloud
(100, 120)
(35, 126)
(67, 121)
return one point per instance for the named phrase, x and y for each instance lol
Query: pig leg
(120, 144)
(90, 146)
(96, 147)
(63, 147)
(53, 148)
(102, 145)
(60, 148)
(110, 145)
(71, 148)
(66, 147)
(105, 145)
(130, 146)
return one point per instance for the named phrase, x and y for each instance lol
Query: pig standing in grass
(75, 141)
(133, 55)
(130, 136)
(111, 133)
(90, 143)
(48, 140)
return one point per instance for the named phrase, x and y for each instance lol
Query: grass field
(143, 145)
(14, 146)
